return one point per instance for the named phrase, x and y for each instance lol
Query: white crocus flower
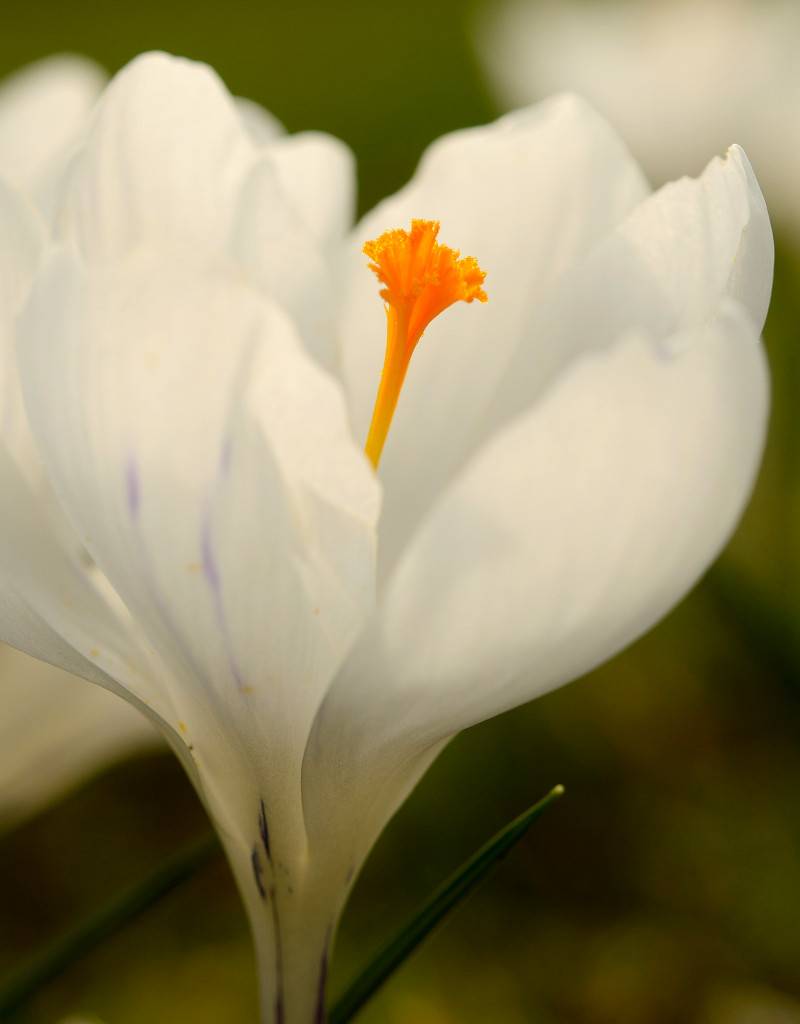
(199, 354)
(731, 66)
(54, 730)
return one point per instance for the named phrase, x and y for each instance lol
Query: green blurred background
(666, 886)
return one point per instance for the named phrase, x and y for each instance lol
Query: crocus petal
(56, 731)
(664, 269)
(136, 379)
(21, 244)
(21, 241)
(43, 110)
(275, 249)
(646, 346)
(169, 164)
(261, 125)
(207, 463)
(51, 607)
(572, 532)
(165, 153)
(317, 171)
(526, 196)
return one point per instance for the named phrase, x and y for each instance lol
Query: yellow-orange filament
(421, 279)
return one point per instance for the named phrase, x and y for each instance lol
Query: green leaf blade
(105, 922)
(445, 899)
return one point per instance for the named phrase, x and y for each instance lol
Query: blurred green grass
(665, 887)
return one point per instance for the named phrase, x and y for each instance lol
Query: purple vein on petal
(263, 829)
(133, 487)
(214, 580)
(210, 567)
(322, 983)
(226, 456)
(133, 499)
(258, 872)
(157, 599)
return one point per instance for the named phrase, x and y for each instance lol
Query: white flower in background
(679, 79)
(199, 353)
(54, 731)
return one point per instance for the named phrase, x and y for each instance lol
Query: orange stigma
(422, 278)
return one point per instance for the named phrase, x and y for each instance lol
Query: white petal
(164, 156)
(21, 241)
(665, 269)
(571, 533)
(282, 256)
(43, 110)
(27, 498)
(170, 163)
(208, 467)
(641, 385)
(51, 607)
(21, 245)
(526, 196)
(56, 731)
(261, 125)
(207, 463)
(601, 508)
(317, 172)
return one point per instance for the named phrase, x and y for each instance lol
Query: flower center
(422, 278)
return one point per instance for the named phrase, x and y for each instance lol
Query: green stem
(440, 904)
(27, 981)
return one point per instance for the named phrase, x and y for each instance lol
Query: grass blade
(55, 959)
(445, 899)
